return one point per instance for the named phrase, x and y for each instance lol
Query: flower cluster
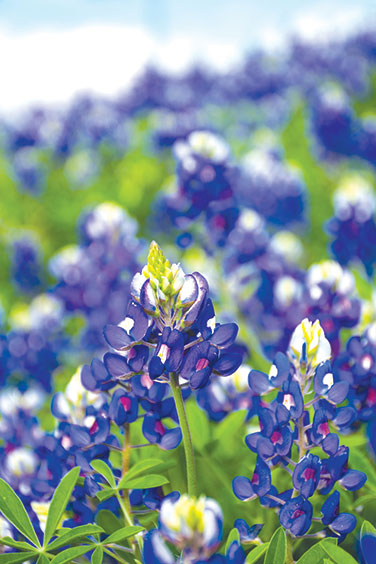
(195, 527)
(169, 327)
(292, 424)
(353, 226)
(356, 366)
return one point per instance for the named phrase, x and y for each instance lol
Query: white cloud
(52, 66)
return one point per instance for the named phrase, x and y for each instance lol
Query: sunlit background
(52, 49)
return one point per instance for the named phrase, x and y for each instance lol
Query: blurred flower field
(221, 402)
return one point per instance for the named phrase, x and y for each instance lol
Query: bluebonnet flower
(295, 515)
(337, 523)
(247, 534)
(367, 547)
(169, 312)
(224, 395)
(195, 527)
(94, 277)
(272, 189)
(303, 379)
(333, 120)
(353, 228)
(26, 264)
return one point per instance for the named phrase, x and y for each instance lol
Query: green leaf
(59, 502)
(102, 468)
(12, 508)
(198, 425)
(145, 482)
(276, 552)
(314, 555)
(102, 495)
(8, 541)
(97, 556)
(43, 559)
(327, 561)
(366, 529)
(339, 555)
(143, 466)
(16, 558)
(232, 536)
(122, 534)
(74, 534)
(108, 521)
(71, 553)
(256, 553)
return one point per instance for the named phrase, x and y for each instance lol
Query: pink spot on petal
(276, 438)
(308, 474)
(131, 353)
(371, 397)
(323, 429)
(201, 364)
(146, 381)
(126, 403)
(297, 513)
(94, 428)
(159, 428)
(255, 479)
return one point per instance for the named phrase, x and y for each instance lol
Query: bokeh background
(98, 103)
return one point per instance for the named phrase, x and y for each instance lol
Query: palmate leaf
(12, 508)
(367, 529)
(16, 558)
(145, 482)
(71, 553)
(73, 535)
(232, 536)
(122, 534)
(102, 468)
(97, 556)
(8, 541)
(43, 559)
(256, 553)
(276, 552)
(144, 466)
(108, 521)
(59, 502)
(336, 553)
(102, 495)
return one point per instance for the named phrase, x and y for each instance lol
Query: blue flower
(307, 474)
(296, 515)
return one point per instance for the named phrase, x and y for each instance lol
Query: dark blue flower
(296, 515)
(306, 475)
(123, 407)
(168, 355)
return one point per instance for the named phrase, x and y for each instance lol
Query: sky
(53, 49)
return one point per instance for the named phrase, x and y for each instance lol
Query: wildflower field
(188, 317)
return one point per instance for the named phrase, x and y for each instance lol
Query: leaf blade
(276, 552)
(122, 534)
(13, 509)
(74, 534)
(71, 553)
(145, 482)
(256, 553)
(59, 502)
(104, 470)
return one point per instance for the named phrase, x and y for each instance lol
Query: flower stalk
(187, 439)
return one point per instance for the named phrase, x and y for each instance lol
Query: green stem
(289, 553)
(124, 501)
(187, 439)
(126, 455)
